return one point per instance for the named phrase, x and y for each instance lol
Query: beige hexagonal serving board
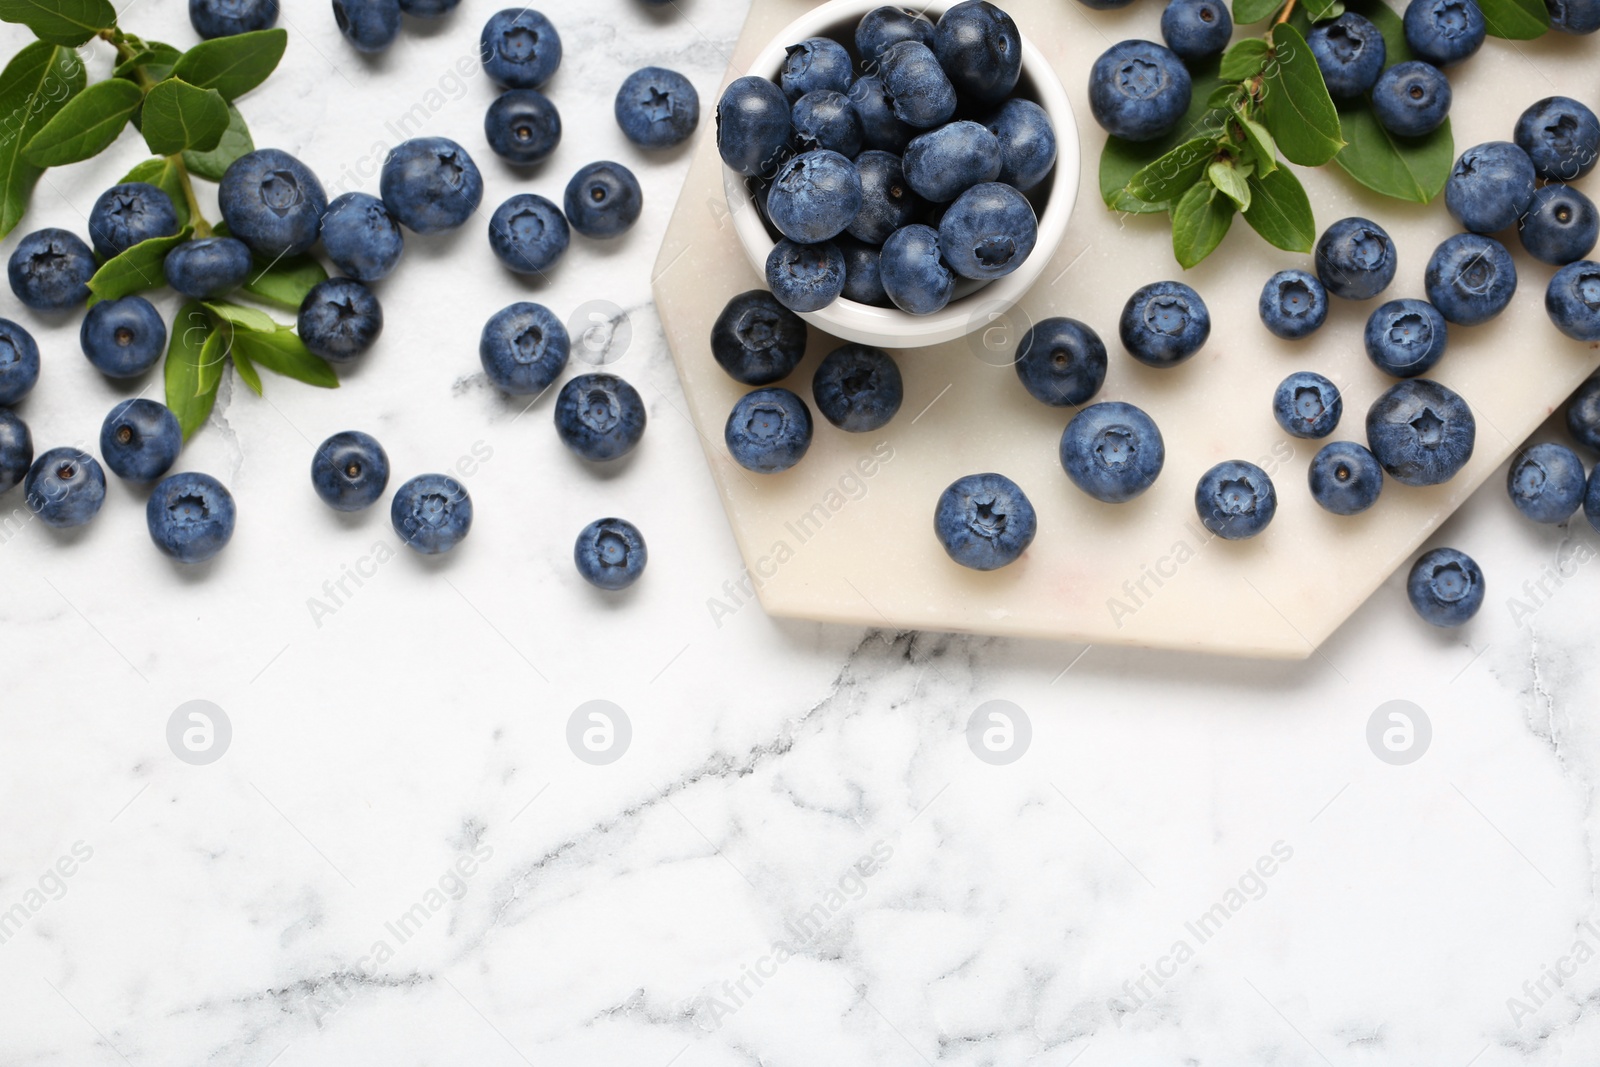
(847, 536)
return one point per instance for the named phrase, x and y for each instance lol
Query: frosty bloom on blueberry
(984, 521)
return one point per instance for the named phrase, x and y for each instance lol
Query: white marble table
(398, 860)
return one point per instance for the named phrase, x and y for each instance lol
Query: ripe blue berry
(610, 554)
(127, 214)
(1561, 227)
(1355, 258)
(1573, 300)
(1445, 587)
(428, 9)
(815, 196)
(919, 91)
(599, 416)
(369, 25)
(1345, 478)
(825, 118)
(1546, 482)
(768, 430)
(123, 338)
(815, 63)
(880, 128)
(432, 513)
(65, 487)
(50, 270)
(16, 450)
(1470, 279)
(1577, 17)
(1443, 32)
(339, 319)
(272, 202)
(753, 126)
(884, 26)
(1293, 304)
(988, 232)
(523, 348)
(520, 48)
(1583, 415)
(805, 277)
(350, 471)
(19, 362)
(914, 273)
(528, 234)
(984, 521)
(1061, 362)
(1138, 90)
(944, 162)
(1307, 405)
(757, 340)
(863, 274)
(1405, 338)
(1196, 29)
(1591, 500)
(603, 200)
(190, 516)
(1412, 98)
(657, 108)
(1164, 323)
(430, 184)
(1027, 143)
(522, 126)
(226, 18)
(210, 266)
(887, 201)
(980, 49)
(361, 237)
(1490, 187)
(1561, 137)
(1113, 451)
(140, 440)
(1421, 432)
(857, 388)
(1235, 500)
(1350, 53)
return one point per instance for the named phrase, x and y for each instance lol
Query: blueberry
(1561, 137)
(610, 553)
(1113, 451)
(272, 202)
(887, 200)
(863, 274)
(19, 362)
(428, 9)
(523, 348)
(522, 126)
(1583, 415)
(1164, 323)
(1573, 300)
(1591, 500)
(1561, 226)
(880, 128)
(1412, 98)
(599, 416)
(1307, 405)
(1405, 338)
(943, 163)
(603, 200)
(129, 213)
(1196, 29)
(815, 63)
(1490, 187)
(210, 267)
(768, 430)
(1546, 482)
(1105, 5)
(1445, 587)
(1355, 258)
(1027, 143)
(123, 338)
(657, 108)
(520, 49)
(225, 18)
(350, 471)
(980, 48)
(757, 340)
(1236, 500)
(16, 450)
(1061, 362)
(984, 521)
(919, 91)
(1421, 432)
(988, 232)
(1471, 279)
(361, 237)
(1443, 32)
(1138, 90)
(430, 184)
(753, 126)
(65, 487)
(1576, 17)
(1293, 305)
(1350, 53)
(50, 270)
(339, 319)
(815, 196)
(1345, 478)
(528, 233)
(432, 513)
(857, 388)
(825, 118)
(884, 26)
(369, 25)
(915, 277)
(140, 440)
(805, 277)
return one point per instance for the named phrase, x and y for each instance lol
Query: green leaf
(232, 65)
(1323, 10)
(247, 371)
(66, 22)
(282, 353)
(1244, 60)
(1199, 223)
(1225, 97)
(1230, 181)
(286, 282)
(163, 174)
(193, 369)
(86, 126)
(155, 59)
(239, 315)
(235, 142)
(1246, 12)
(179, 116)
(1166, 178)
(1515, 20)
(1121, 160)
(1407, 168)
(1280, 211)
(1263, 149)
(35, 85)
(137, 269)
(1297, 108)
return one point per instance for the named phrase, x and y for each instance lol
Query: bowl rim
(890, 327)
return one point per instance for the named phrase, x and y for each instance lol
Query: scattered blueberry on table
(1345, 478)
(213, 266)
(1307, 405)
(1164, 323)
(140, 440)
(857, 388)
(1236, 500)
(1421, 432)
(1293, 305)
(1546, 482)
(1405, 338)
(65, 487)
(523, 348)
(984, 521)
(599, 416)
(1351, 54)
(16, 449)
(768, 431)
(1061, 362)
(350, 471)
(1470, 279)
(1445, 587)
(190, 516)
(432, 513)
(1113, 451)
(610, 554)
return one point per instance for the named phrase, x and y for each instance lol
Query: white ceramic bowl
(974, 305)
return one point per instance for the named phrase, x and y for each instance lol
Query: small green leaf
(179, 116)
(155, 59)
(65, 22)
(235, 142)
(137, 269)
(1407, 168)
(1121, 160)
(161, 173)
(1297, 108)
(1199, 223)
(1230, 181)
(34, 87)
(239, 315)
(1166, 178)
(1323, 10)
(195, 353)
(1246, 12)
(286, 282)
(1263, 149)
(1244, 60)
(232, 65)
(1515, 20)
(86, 126)
(247, 371)
(1225, 97)
(1280, 211)
(282, 353)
